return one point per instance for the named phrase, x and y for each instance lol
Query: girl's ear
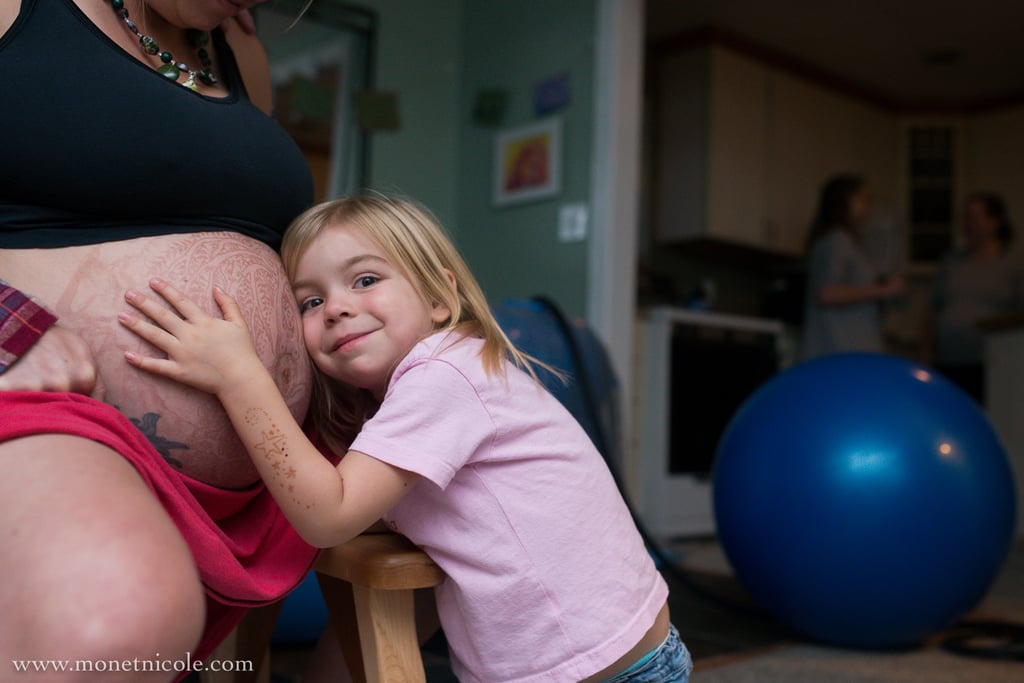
(451, 278)
(440, 313)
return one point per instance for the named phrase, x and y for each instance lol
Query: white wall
(994, 156)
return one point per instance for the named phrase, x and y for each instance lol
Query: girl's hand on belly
(59, 361)
(204, 352)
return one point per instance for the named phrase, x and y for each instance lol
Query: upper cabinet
(815, 132)
(708, 147)
(741, 147)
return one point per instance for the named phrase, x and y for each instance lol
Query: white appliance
(694, 368)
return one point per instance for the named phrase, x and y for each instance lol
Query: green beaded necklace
(171, 70)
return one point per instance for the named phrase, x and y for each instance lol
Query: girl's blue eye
(309, 303)
(366, 281)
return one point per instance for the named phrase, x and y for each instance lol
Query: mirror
(321, 59)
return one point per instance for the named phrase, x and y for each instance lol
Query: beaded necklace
(171, 70)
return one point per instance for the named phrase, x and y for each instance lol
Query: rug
(733, 642)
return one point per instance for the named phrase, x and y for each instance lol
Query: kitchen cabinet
(742, 147)
(813, 133)
(709, 147)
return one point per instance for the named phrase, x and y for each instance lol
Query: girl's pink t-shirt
(548, 578)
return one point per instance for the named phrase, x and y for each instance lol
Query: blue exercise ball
(864, 500)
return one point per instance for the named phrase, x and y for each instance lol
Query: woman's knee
(95, 567)
(107, 615)
(109, 626)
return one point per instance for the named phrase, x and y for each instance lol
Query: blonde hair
(416, 243)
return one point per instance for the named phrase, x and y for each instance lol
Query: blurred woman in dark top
(981, 279)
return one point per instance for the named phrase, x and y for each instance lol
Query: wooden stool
(368, 585)
(373, 577)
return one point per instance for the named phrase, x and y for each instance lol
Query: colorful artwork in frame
(528, 162)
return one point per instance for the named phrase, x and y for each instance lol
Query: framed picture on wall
(528, 162)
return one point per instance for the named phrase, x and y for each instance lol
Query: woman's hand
(60, 360)
(894, 286)
(204, 352)
(244, 20)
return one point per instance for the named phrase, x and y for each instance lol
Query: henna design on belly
(85, 285)
(260, 287)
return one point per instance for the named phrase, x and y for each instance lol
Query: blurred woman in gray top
(844, 290)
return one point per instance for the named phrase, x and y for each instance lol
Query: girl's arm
(327, 505)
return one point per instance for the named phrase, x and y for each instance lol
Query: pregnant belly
(85, 286)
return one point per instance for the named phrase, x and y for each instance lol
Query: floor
(720, 623)
(287, 662)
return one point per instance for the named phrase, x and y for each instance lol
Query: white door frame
(615, 190)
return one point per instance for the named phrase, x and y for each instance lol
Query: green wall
(514, 250)
(436, 56)
(418, 59)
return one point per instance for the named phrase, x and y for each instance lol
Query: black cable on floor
(999, 640)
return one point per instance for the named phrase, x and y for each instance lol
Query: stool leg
(341, 608)
(387, 631)
(249, 642)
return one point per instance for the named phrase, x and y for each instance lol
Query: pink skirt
(247, 553)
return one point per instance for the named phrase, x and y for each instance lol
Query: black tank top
(97, 147)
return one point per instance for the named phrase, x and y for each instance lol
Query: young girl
(447, 436)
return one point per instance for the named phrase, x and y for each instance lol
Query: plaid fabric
(22, 322)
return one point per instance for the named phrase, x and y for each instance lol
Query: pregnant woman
(135, 141)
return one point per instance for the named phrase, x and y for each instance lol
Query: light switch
(572, 222)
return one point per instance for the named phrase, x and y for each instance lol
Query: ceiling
(909, 52)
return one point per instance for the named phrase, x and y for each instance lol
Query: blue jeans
(669, 663)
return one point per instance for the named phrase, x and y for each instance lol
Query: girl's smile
(349, 342)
